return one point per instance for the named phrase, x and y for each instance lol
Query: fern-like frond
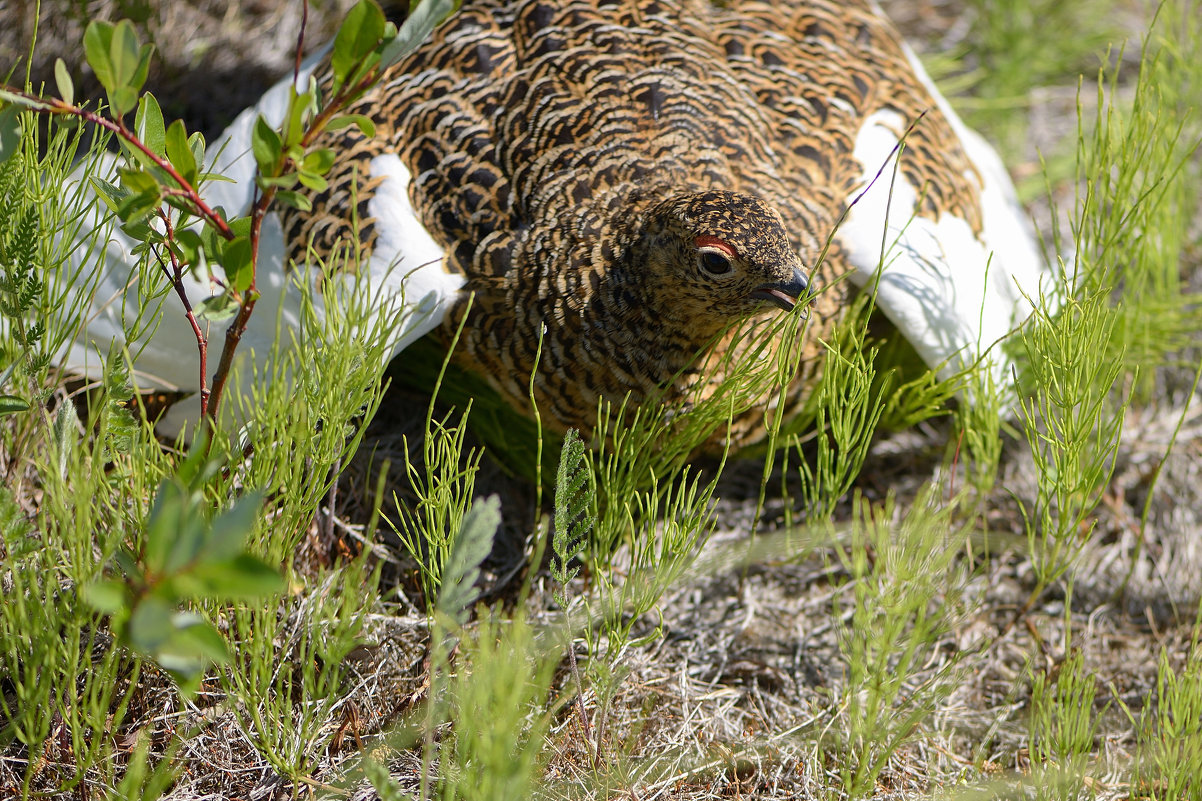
(470, 547)
(573, 518)
(119, 427)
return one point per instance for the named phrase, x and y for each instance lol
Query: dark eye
(715, 263)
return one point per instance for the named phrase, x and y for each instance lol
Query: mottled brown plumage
(633, 177)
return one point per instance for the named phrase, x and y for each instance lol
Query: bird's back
(537, 132)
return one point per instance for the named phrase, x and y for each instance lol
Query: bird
(588, 197)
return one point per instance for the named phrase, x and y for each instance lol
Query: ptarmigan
(626, 179)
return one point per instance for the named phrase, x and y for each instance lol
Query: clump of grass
(978, 442)
(95, 487)
(503, 685)
(1134, 207)
(494, 699)
(42, 217)
(1168, 759)
(66, 671)
(848, 412)
(1063, 727)
(444, 488)
(1125, 316)
(1072, 428)
(289, 675)
(635, 529)
(492, 691)
(324, 381)
(906, 584)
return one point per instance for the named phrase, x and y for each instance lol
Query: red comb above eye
(707, 241)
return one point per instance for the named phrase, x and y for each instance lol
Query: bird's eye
(715, 263)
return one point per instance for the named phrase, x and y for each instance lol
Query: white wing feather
(952, 293)
(406, 271)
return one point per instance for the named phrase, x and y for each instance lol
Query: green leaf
(365, 125)
(198, 467)
(117, 424)
(318, 161)
(296, 200)
(193, 645)
(209, 238)
(183, 643)
(294, 128)
(240, 226)
(11, 404)
(148, 126)
(66, 436)
(279, 182)
(313, 181)
(245, 577)
(10, 132)
(97, 39)
(218, 308)
(120, 61)
(196, 636)
(123, 52)
(421, 22)
(122, 99)
(267, 146)
(574, 501)
(196, 143)
(135, 180)
(142, 70)
(358, 37)
(142, 194)
(106, 596)
(111, 194)
(140, 231)
(174, 531)
(130, 58)
(179, 153)
(137, 207)
(188, 245)
(127, 563)
(62, 78)
(227, 536)
(150, 626)
(236, 262)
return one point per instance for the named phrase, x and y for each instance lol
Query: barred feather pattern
(567, 155)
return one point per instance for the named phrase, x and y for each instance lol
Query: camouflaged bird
(622, 181)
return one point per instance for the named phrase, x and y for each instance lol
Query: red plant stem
(233, 334)
(176, 275)
(951, 486)
(300, 41)
(56, 106)
(185, 190)
(211, 399)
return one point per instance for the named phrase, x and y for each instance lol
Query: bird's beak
(786, 294)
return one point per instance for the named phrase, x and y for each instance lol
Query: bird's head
(716, 256)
